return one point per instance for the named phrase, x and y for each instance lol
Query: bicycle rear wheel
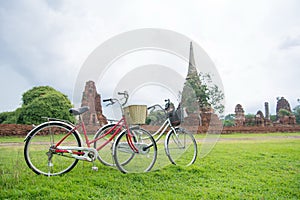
(38, 154)
(129, 161)
(181, 147)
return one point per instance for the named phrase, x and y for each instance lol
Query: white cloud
(254, 44)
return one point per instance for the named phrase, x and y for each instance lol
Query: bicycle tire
(37, 148)
(105, 153)
(181, 147)
(141, 161)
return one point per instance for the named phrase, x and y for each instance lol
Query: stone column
(267, 113)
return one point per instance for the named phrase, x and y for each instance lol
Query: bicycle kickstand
(94, 167)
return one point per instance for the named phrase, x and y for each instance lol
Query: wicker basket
(135, 114)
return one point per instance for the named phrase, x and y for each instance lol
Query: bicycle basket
(175, 117)
(135, 114)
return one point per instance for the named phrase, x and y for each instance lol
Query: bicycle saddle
(79, 111)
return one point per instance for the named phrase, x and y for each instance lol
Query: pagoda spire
(194, 92)
(192, 70)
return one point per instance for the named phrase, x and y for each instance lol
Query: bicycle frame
(180, 138)
(162, 129)
(76, 151)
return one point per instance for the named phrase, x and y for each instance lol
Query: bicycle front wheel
(38, 151)
(181, 147)
(105, 143)
(135, 152)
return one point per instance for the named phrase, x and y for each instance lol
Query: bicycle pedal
(94, 168)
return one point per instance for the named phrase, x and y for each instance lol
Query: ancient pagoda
(193, 98)
(90, 97)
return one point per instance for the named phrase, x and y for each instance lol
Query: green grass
(261, 167)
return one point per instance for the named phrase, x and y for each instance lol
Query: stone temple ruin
(264, 120)
(290, 119)
(267, 120)
(259, 119)
(239, 115)
(94, 117)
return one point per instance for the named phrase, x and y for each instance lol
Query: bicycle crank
(80, 153)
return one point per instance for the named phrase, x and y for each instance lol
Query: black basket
(175, 117)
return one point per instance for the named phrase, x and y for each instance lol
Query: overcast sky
(255, 45)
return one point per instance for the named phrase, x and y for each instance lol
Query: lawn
(240, 166)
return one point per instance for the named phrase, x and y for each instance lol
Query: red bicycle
(55, 147)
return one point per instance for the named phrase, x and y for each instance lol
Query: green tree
(296, 112)
(38, 102)
(250, 119)
(7, 117)
(229, 120)
(273, 118)
(283, 112)
(156, 117)
(44, 101)
(10, 117)
(214, 95)
(35, 93)
(199, 88)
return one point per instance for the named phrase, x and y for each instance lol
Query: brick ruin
(239, 115)
(260, 120)
(283, 104)
(94, 118)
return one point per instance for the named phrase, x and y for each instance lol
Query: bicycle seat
(79, 111)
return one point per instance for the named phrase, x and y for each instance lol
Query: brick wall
(14, 129)
(242, 129)
(259, 129)
(22, 130)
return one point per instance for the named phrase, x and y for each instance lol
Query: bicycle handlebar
(105, 100)
(122, 93)
(151, 108)
(112, 101)
(125, 94)
(157, 105)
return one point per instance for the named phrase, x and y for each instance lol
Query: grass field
(241, 166)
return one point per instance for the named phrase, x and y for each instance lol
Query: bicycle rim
(38, 156)
(129, 161)
(181, 148)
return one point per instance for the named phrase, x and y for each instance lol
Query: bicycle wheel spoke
(181, 147)
(39, 153)
(127, 159)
